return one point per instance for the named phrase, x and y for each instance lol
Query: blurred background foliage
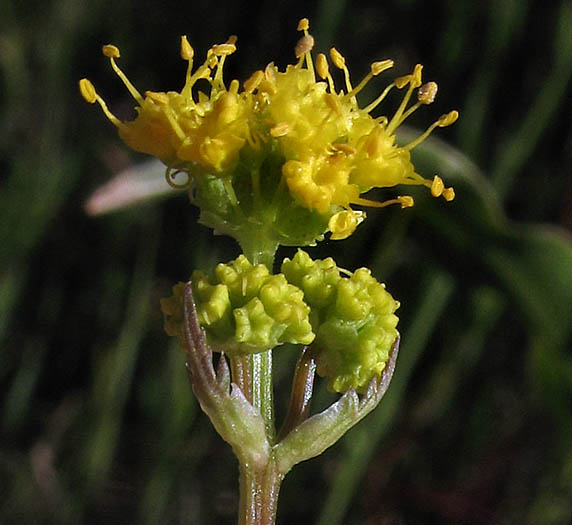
(98, 423)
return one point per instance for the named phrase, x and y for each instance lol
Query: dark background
(98, 423)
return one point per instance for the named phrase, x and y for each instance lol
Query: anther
(87, 91)
(448, 119)
(427, 92)
(254, 81)
(158, 97)
(187, 51)
(322, 66)
(416, 76)
(303, 24)
(337, 58)
(437, 186)
(406, 201)
(111, 51)
(304, 45)
(448, 194)
(280, 129)
(381, 66)
(223, 49)
(344, 148)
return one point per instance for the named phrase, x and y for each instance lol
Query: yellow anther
(416, 76)
(254, 81)
(87, 91)
(337, 58)
(304, 45)
(232, 40)
(322, 66)
(381, 66)
(234, 85)
(344, 223)
(333, 103)
(449, 194)
(158, 97)
(270, 72)
(187, 51)
(427, 92)
(401, 82)
(303, 24)
(414, 79)
(223, 49)
(448, 119)
(374, 145)
(280, 129)
(437, 186)
(111, 51)
(212, 59)
(406, 201)
(344, 148)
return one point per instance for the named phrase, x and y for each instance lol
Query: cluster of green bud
(349, 317)
(243, 309)
(353, 318)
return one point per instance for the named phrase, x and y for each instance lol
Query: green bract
(353, 319)
(243, 309)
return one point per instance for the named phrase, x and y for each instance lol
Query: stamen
(323, 70)
(344, 223)
(303, 24)
(90, 95)
(280, 129)
(254, 81)
(381, 66)
(234, 85)
(87, 91)
(448, 119)
(414, 81)
(444, 120)
(304, 45)
(158, 97)
(437, 186)
(112, 52)
(322, 67)
(333, 103)
(344, 148)
(426, 93)
(340, 62)
(405, 201)
(448, 194)
(187, 51)
(223, 49)
(303, 48)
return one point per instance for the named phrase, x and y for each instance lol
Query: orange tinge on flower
(333, 150)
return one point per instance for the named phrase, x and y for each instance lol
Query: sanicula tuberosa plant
(284, 159)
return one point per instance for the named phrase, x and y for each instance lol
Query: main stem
(259, 484)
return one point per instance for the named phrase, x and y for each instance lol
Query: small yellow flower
(330, 150)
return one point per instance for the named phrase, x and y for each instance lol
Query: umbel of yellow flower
(289, 156)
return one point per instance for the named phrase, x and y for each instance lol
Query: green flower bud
(353, 319)
(317, 279)
(243, 309)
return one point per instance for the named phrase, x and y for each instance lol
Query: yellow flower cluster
(333, 151)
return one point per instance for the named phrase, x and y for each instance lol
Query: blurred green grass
(98, 422)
